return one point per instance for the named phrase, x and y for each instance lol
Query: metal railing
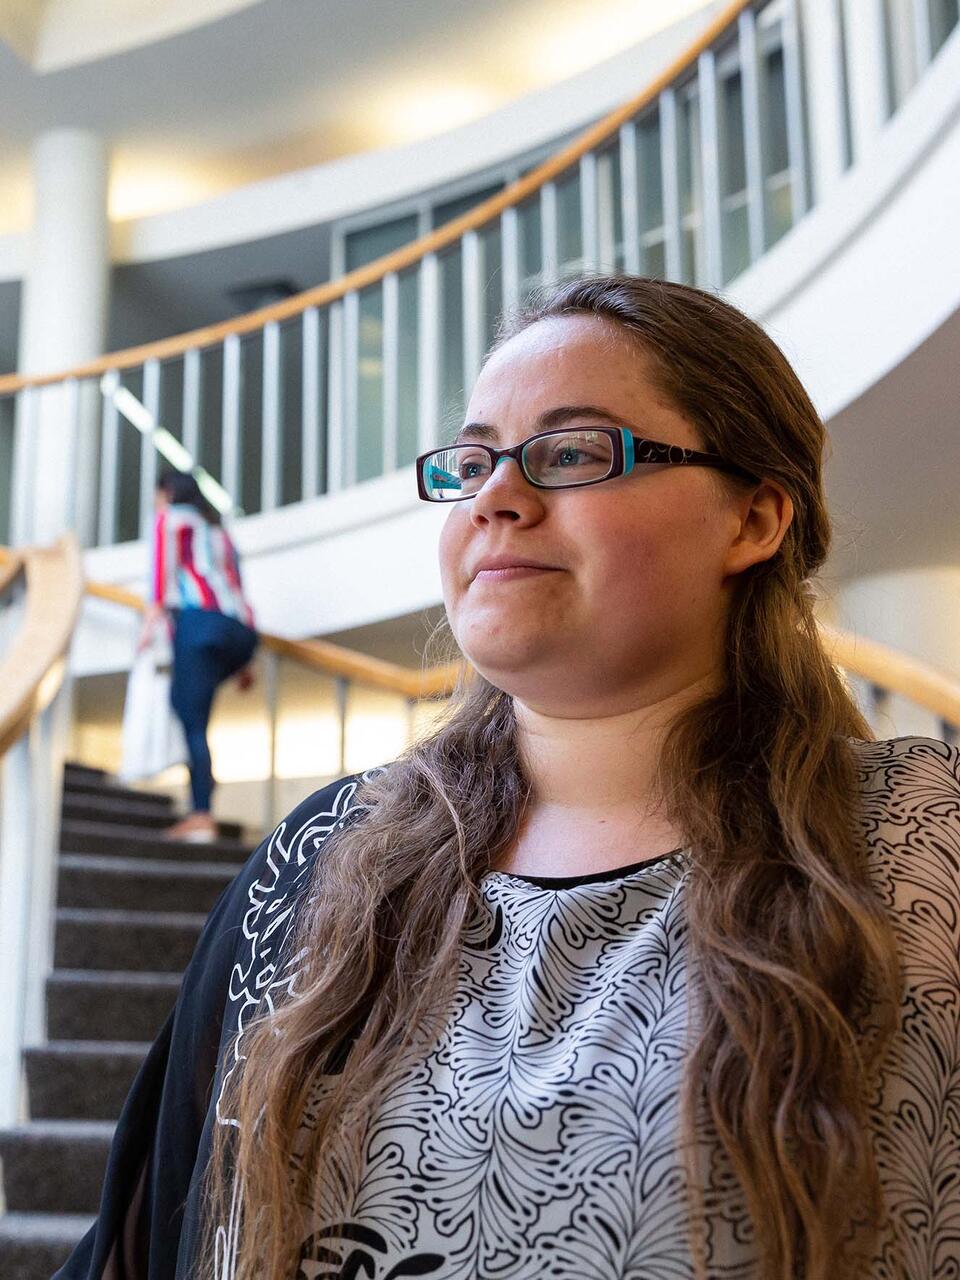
(694, 179)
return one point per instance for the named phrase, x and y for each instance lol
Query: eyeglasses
(564, 459)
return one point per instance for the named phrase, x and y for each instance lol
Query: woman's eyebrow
(548, 419)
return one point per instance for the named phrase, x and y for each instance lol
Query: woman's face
(633, 607)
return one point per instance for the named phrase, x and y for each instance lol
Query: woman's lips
(507, 575)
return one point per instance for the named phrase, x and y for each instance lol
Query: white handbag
(152, 737)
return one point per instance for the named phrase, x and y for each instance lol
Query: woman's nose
(506, 492)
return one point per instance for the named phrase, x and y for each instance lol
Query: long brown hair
(793, 959)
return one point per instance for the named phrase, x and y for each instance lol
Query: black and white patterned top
(539, 1137)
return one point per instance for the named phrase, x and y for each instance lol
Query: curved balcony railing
(694, 179)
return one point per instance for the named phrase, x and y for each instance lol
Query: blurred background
(268, 241)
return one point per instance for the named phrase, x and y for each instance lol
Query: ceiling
(196, 97)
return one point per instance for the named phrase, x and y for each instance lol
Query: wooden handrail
(877, 663)
(331, 659)
(407, 256)
(895, 673)
(31, 671)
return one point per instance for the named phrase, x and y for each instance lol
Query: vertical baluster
(343, 690)
(472, 293)
(148, 452)
(752, 147)
(879, 704)
(629, 197)
(391, 369)
(270, 494)
(510, 258)
(311, 399)
(24, 464)
(669, 163)
(826, 88)
(867, 76)
(549, 234)
(335, 399)
(950, 733)
(351, 386)
(271, 674)
(922, 43)
(109, 444)
(70, 392)
(796, 128)
(711, 271)
(589, 215)
(191, 403)
(230, 447)
(428, 379)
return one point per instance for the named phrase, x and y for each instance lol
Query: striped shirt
(195, 565)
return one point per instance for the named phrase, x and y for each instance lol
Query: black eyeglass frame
(629, 450)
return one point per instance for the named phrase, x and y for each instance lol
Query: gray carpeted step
(114, 791)
(85, 1005)
(55, 1166)
(111, 839)
(81, 1079)
(110, 810)
(131, 940)
(35, 1245)
(75, 772)
(140, 884)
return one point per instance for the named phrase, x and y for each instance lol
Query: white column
(866, 72)
(917, 612)
(823, 59)
(63, 314)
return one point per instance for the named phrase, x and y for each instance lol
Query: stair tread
(130, 831)
(114, 978)
(43, 1130)
(69, 1227)
(95, 862)
(117, 915)
(92, 1048)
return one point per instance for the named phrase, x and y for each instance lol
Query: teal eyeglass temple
(628, 451)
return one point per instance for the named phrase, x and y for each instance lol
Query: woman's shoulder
(909, 774)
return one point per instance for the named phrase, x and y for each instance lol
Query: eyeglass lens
(556, 460)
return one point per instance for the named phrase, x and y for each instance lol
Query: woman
(645, 963)
(195, 581)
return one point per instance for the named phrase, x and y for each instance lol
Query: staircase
(130, 906)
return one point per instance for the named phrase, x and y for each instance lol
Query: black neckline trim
(598, 877)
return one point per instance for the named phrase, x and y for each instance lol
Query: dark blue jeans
(208, 647)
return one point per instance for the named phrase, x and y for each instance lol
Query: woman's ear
(764, 517)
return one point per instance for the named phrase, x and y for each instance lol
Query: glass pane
(779, 208)
(733, 166)
(491, 275)
(371, 243)
(407, 374)
(650, 172)
(773, 120)
(531, 246)
(736, 240)
(171, 396)
(370, 384)
(569, 239)
(451, 339)
(251, 420)
(610, 210)
(654, 260)
(128, 464)
(944, 16)
(291, 410)
(453, 208)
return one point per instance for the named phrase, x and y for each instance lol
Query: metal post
(589, 220)
(271, 680)
(343, 690)
(510, 257)
(472, 308)
(673, 257)
(351, 386)
(391, 370)
(230, 450)
(17, 864)
(796, 128)
(629, 197)
(335, 400)
(428, 354)
(109, 446)
(148, 453)
(549, 234)
(712, 268)
(826, 89)
(24, 464)
(752, 146)
(312, 399)
(869, 85)
(271, 477)
(191, 403)
(70, 391)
